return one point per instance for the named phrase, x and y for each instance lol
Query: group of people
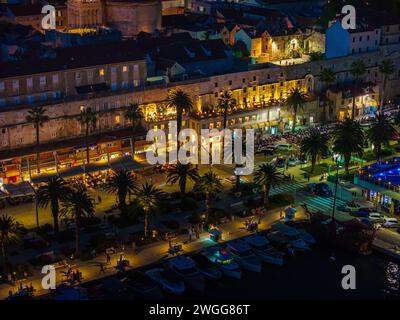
(74, 276)
(251, 224)
(195, 231)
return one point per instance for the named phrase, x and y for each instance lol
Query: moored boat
(224, 260)
(293, 236)
(244, 256)
(167, 279)
(263, 248)
(206, 267)
(186, 269)
(141, 284)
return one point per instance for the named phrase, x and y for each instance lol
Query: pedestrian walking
(190, 234)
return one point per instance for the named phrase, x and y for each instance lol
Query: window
(216, 84)
(15, 85)
(2, 102)
(360, 38)
(77, 75)
(101, 72)
(42, 81)
(117, 120)
(354, 39)
(55, 79)
(230, 82)
(17, 100)
(2, 86)
(124, 69)
(254, 78)
(243, 80)
(268, 76)
(254, 88)
(29, 83)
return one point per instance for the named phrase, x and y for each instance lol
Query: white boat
(206, 267)
(224, 260)
(263, 248)
(167, 279)
(186, 269)
(308, 238)
(293, 236)
(244, 256)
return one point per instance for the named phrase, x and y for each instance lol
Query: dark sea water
(310, 276)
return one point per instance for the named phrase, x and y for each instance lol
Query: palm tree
(180, 173)
(10, 232)
(53, 192)
(87, 118)
(148, 199)
(380, 133)
(386, 67)
(135, 115)
(209, 184)
(348, 138)
(180, 100)
(327, 77)
(267, 177)
(226, 104)
(314, 144)
(296, 100)
(121, 183)
(358, 69)
(77, 205)
(36, 115)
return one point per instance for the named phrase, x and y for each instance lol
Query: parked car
(269, 151)
(390, 222)
(376, 217)
(284, 147)
(360, 214)
(323, 190)
(303, 160)
(349, 207)
(292, 162)
(280, 163)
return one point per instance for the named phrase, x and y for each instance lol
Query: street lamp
(336, 185)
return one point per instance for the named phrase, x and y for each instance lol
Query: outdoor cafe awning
(19, 189)
(124, 163)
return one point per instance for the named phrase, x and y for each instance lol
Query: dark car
(323, 190)
(280, 163)
(360, 214)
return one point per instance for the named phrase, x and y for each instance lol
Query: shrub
(188, 204)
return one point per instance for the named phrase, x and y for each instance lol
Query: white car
(292, 162)
(390, 222)
(376, 217)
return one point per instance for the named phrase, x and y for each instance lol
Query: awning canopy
(123, 163)
(18, 189)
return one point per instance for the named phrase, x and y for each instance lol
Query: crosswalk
(287, 188)
(316, 203)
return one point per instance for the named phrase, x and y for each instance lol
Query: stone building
(129, 16)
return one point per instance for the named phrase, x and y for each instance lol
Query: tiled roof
(75, 57)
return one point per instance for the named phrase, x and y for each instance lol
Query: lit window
(124, 69)
(117, 120)
(101, 72)
(82, 108)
